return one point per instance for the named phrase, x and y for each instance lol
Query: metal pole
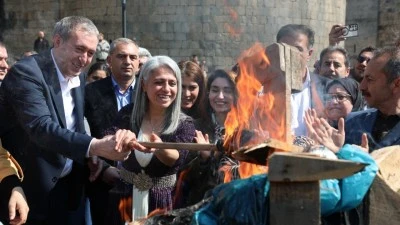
(123, 18)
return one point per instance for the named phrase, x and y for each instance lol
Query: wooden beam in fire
(289, 62)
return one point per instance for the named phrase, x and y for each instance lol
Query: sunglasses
(362, 59)
(337, 97)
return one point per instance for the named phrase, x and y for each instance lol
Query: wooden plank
(180, 146)
(294, 203)
(382, 205)
(279, 56)
(297, 66)
(288, 92)
(285, 166)
(388, 160)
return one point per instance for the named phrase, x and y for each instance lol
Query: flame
(153, 213)
(179, 186)
(125, 208)
(156, 212)
(233, 27)
(227, 171)
(233, 30)
(260, 112)
(247, 170)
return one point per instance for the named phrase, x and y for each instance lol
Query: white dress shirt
(301, 101)
(67, 84)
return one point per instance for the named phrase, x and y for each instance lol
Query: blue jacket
(361, 122)
(245, 201)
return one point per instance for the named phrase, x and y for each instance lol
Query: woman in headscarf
(343, 96)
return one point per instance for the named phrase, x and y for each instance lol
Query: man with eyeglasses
(357, 73)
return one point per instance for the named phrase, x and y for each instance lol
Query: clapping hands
(202, 139)
(322, 133)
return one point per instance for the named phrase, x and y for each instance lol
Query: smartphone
(351, 30)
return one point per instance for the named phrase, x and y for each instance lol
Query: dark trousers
(98, 197)
(61, 210)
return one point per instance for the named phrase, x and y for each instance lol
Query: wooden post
(294, 203)
(294, 190)
(285, 62)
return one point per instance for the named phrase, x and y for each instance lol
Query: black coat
(101, 105)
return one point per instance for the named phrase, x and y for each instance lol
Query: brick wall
(216, 30)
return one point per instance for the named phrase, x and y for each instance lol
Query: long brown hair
(193, 71)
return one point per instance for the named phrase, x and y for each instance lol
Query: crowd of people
(78, 139)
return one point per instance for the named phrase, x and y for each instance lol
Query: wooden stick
(180, 146)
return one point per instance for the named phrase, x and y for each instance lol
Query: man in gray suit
(381, 90)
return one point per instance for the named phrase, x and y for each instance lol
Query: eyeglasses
(362, 59)
(337, 97)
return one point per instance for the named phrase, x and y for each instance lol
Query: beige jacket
(8, 165)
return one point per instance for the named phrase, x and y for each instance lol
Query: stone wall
(365, 14)
(389, 22)
(216, 30)
(379, 23)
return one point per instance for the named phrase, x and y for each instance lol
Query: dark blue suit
(363, 122)
(33, 128)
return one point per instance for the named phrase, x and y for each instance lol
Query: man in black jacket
(103, 100)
